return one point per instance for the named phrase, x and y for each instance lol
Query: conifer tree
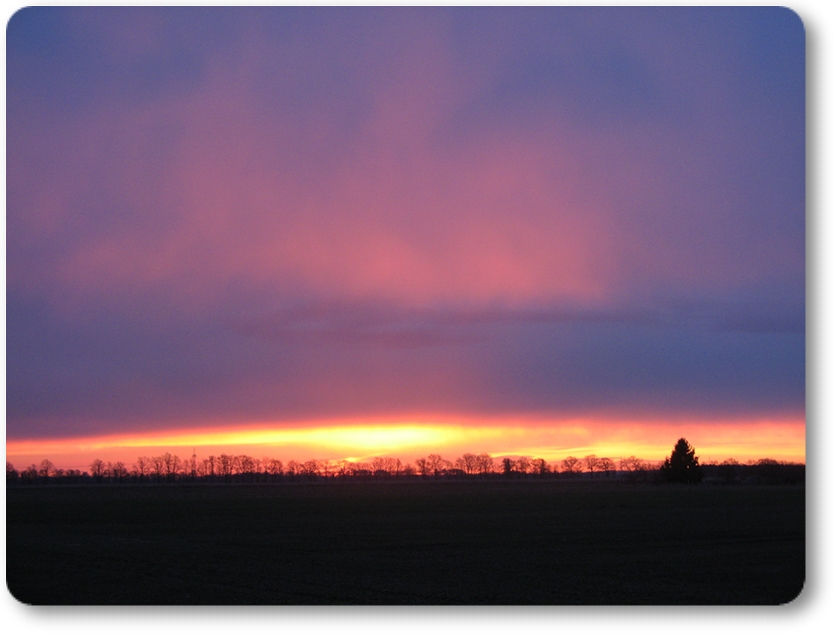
(682, 465)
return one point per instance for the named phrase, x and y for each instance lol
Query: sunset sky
(340, 233)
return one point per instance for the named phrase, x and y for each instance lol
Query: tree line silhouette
(682, 466)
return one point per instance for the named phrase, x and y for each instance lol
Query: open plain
(425, 542)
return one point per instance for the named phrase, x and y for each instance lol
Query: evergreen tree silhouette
(682, 465)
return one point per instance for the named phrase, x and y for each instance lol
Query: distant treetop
(682, 465)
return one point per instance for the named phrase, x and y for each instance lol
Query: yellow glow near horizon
(409, 439)
(357, 440)
(367, 438)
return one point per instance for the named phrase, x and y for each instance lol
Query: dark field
(405, 543)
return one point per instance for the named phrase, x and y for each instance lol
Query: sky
(347, 232)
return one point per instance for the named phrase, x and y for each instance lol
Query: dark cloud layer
(330, 360)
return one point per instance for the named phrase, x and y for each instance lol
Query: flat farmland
(435, 542)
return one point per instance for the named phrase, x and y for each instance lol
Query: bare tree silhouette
(46, 470)
(97, 469)
(592, 464)
(468, 463)
(485, 464)
(118, 471)
(435, 464)
(11, 473)
(571, 465)
(539, 467)
(141, 467)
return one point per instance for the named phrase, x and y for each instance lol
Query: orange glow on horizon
(408, 440)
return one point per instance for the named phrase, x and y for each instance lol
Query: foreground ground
(404, 543)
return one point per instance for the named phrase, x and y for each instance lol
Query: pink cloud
(225, 188)
(395, 217)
